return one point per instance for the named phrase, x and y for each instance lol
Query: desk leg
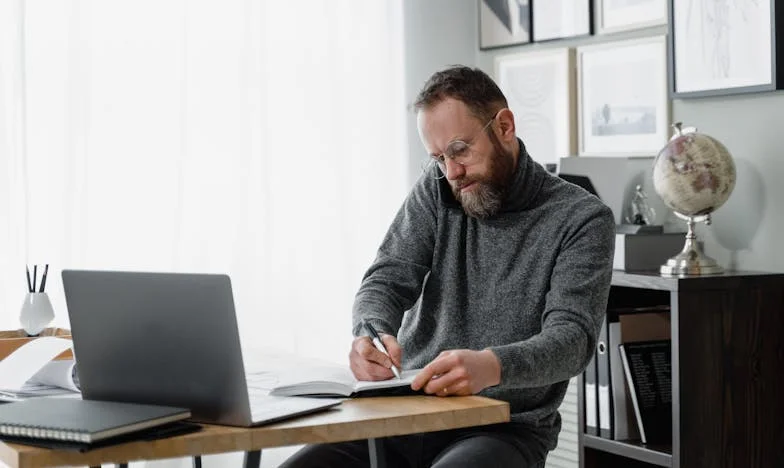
(197, 461)
(376, 452)
(252, 459)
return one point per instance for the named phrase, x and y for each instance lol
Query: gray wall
(745, 231)
(437, 33)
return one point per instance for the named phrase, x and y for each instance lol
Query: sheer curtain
(257, 138)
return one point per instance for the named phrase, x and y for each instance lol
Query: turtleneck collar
(526, 181)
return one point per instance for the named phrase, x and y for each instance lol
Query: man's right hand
(368, 363)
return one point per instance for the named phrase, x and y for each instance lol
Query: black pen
(43, 279)
(35, 275)
(380, 346)
(29, 284)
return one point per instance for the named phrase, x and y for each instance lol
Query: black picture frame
(722, 54)
(500, 26)
(539, 27)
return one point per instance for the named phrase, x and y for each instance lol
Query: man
(504, 271)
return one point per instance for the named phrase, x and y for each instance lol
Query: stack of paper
(30, 371)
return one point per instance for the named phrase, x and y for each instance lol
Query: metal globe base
(691, 261)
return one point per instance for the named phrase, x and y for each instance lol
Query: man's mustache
(460, 184)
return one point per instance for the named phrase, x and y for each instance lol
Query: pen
(380, 346)
(29, 284)
(43, 279)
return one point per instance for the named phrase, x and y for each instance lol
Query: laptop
(168, 339)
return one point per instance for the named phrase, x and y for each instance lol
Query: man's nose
(453, 169)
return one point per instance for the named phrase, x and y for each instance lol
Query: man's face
(480, 184)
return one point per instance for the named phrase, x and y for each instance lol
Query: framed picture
(557, 19)
(621, 15)
(540, 89)
(623, 103)
(718, 48)
(504, 23)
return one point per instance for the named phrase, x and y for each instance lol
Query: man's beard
(484, 199)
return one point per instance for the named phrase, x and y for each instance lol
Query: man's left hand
(459, 372)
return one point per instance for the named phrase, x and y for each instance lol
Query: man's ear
(506, 124)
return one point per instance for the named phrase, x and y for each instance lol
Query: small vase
(36, 313)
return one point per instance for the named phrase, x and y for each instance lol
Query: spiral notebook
(76, 420)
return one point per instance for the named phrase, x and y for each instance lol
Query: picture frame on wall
(559, 19)
(540, 90)
(716, 49)
(504, 23)
(623, 104)
(623, 15)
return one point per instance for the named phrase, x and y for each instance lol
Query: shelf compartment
(660, 455)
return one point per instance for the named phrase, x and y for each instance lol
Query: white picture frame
(623, 102)
(559, 19)
(540, 90)
(504, 23)
(623, 15)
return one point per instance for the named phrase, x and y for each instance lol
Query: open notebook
(328, 381)
(30, 371)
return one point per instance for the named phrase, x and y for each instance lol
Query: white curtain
(263, 139)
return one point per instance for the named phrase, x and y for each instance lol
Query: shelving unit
(727, 373)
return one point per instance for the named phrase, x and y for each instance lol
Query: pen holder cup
(36, 313)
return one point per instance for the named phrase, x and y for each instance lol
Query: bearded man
(493, 279)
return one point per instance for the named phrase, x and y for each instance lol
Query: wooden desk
(361, 418)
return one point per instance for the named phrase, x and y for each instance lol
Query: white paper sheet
(28, 359)
(60, 373)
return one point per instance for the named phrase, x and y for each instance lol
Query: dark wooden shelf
(660, 455)
(653, 280)
(727, 336)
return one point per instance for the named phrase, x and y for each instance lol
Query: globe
(694, 175)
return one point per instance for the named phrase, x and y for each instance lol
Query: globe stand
(691, 261)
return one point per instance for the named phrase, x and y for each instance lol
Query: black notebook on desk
(85, 421)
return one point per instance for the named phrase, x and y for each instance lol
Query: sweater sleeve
(575, 307)
(394, 280)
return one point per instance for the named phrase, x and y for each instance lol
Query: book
(76, 420)
(339, 381)
(648, 369)
(54, 378)
(29, 371)
(630, 325)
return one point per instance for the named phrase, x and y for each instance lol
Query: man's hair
(472, 86)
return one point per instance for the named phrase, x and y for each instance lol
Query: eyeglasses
(458, 151)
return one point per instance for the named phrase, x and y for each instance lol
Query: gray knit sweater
(530, 284)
